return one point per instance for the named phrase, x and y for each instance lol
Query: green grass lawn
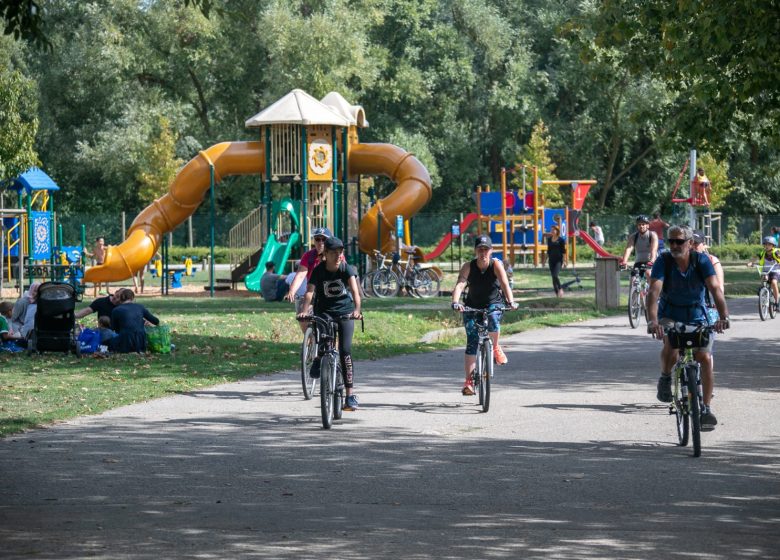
(231, 338)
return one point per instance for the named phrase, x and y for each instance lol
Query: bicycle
(637, 294)
(332, 390)
(418, 281)
(687, 393)
(482, 376)
(308, 354)
(766, 303)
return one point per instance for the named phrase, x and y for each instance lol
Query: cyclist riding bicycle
(769, 258)
(488, 288)
(644, 241)
(308, 262)
(337, 296)
(678, 282)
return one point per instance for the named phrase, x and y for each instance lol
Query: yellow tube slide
(413, 190)
(185, 194)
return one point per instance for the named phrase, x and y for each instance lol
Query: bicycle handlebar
(467, 309)
(325, 322)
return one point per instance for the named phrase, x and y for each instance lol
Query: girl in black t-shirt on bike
(334, 288)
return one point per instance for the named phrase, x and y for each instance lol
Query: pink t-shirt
(311, 259)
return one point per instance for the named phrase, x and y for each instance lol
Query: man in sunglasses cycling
(678, 283)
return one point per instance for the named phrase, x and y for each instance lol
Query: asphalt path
(575, 459)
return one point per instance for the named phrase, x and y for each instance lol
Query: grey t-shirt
(642, 245)
(268, 285)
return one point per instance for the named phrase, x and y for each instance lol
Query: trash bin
(607, 283)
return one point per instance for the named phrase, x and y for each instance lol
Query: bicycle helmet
(771, 240)
(642, 219)
(321, 231)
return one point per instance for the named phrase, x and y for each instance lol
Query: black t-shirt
(331, 290)
(484, 287)
(102, 306)
(556, 249)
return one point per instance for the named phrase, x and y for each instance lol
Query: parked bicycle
(388, 281)
(637, 295)
(483, 370)
(687, 394)
(332, 390)
(767, 308)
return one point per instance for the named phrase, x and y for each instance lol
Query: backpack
(669, 262)
(89, 341)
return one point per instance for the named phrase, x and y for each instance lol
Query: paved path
(574, 460)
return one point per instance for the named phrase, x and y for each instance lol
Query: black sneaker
(708, 420)
(314, 371)
(664, 388)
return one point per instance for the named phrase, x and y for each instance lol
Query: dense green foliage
(129, 90)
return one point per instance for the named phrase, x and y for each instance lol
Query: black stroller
(55, 320)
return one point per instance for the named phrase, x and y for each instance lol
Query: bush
(179, 253)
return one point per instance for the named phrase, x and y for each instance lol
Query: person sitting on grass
(334, 284)
(272, 285)
(9, 341)
(127, 320)
(103, 306)
(105, 330)
(488, 288)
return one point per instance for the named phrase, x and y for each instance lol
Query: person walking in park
(658, 227)
(488, 288)
(98, 255)
(556, 258)
(678, 283)
(334, 289)
(598, 233)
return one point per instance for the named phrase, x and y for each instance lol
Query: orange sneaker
(468, 389)
(499, 356)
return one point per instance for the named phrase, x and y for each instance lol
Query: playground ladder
(246, 237)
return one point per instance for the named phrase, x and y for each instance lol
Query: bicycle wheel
(385, 283)
(338, 393)
(680, 413)
(426, 283)
(695, 408)
(308, 353)
(772, 311)
(763, 303)
(327, 387)
(486, 357)
(476, 378)
(366, 284)
(634, 304)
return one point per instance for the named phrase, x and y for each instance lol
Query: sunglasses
(322, 239)
(676, 241)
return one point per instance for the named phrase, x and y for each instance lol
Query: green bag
(158, 339)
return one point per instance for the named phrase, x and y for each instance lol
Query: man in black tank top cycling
(488, 289)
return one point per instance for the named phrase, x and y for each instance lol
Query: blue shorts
(470, 322)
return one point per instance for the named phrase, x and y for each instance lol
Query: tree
(718, 57)
(159, 164)
(537, 154)
(18, 119)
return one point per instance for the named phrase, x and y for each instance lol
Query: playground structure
(700, 214)
(310, 151)
(30, 249)
(518, 221)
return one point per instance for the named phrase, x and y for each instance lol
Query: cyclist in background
(488, 288)
(658, 227)
(335, 286)
(768, 258)
(679, 280)
(645, 242)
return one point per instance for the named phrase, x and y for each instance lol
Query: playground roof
(355, 113)
(34, 179)
(298, 107)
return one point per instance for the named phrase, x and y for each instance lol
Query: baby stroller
(576, 280)
(55, 320)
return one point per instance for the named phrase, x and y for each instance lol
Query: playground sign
(399, 226)
(41, 242)
(455, 230)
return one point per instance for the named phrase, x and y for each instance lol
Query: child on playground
(488, 289)
(334, 284)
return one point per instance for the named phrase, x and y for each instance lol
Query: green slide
(275, 252)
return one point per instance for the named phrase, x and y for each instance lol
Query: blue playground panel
(490, 203)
